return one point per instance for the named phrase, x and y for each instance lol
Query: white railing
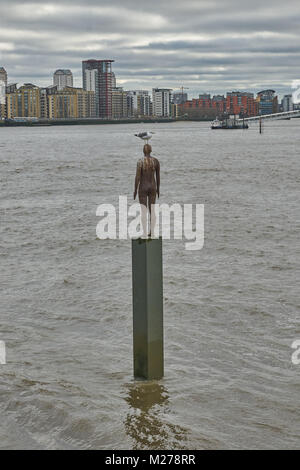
(284, 115)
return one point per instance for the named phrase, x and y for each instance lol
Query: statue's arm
(157, 177)
(137, 179)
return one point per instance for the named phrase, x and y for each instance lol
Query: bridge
(269, 117)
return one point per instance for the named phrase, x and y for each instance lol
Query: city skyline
(206, 46)
(177, 91)
(100, 98)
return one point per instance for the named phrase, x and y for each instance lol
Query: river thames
(231, 310)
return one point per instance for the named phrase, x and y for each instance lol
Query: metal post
(260, 125)
(147, 282)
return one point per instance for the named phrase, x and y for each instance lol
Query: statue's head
(147, 149)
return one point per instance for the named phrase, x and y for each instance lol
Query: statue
(147, 183)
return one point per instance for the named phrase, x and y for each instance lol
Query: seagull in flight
(145, 136)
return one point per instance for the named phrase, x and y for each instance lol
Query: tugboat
(228, 123)
(216, 124)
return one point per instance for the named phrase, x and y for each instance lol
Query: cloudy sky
(205, 45)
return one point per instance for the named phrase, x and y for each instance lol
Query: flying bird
(145, 136)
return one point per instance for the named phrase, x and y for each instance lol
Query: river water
(231, 310)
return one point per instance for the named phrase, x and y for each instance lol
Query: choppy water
(231, 310)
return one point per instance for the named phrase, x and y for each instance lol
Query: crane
(182, 88)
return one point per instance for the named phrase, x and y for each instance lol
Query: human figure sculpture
(147, 183)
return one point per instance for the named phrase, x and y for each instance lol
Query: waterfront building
(179, 98)
(241, 103)
(92, 84)
(138, 103)
(205, 96)
(204, 101)
(218, 98)
(161, 102)
(3, 75)
(204, 107)
(2, 101)
(287, 103)
(24, 101)
(236, 102)
(71, 103)
(3, 84)
(62, 78)
(175, 110)
(103, 83)
(218, 103)
(44, 102)
(113, 81)
(119, 103)
(144, 105)
(267, 102)
(11, 88)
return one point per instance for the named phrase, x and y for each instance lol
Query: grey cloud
(215, 44)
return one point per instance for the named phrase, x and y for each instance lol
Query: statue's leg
(143, 202)
(152, 199)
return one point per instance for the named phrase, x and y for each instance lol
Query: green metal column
(147, 282)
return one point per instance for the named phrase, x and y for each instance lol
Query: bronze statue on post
(147, 183)
(147, 275)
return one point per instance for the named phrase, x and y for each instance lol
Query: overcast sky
(209, 46)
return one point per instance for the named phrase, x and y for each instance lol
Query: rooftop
(97, 60)
(63, 71)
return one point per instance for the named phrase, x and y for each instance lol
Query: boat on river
(228, 123)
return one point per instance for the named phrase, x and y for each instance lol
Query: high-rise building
(139, 103)
(242, 103)
(49, 103)
(161, 102)
(3, 84)
(24, 101)
(104, 82)
(113, 81)
(71, 103)
(3, 75)
(267, 102)
(287, 103)
(91, 83)
(44, 102)
(62, 78)
(179, 98)
(11, 88)
(144, 105)
(119, 103)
